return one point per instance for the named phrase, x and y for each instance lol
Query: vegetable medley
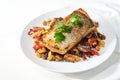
(89, 46)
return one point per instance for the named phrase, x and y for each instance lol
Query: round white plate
(68, 67)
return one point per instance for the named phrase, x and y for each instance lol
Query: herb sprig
(75, 20)
(59, 29)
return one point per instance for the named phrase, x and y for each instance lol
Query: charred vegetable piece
(101, 36)
(84, 48)
(45, 55)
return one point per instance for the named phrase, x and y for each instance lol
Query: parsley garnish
(67, 29)
(75, 20)
(59, 37)
(59, 25)
(62, 27)
(78, 23)
(59, 29)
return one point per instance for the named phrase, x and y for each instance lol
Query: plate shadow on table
(104, 70)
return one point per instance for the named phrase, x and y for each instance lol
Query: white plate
(67, 67)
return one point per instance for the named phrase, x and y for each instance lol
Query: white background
(14, 16)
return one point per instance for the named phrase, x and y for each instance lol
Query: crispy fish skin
(72, 38)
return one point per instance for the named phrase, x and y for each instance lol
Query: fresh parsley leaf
(78, 23)
(59, 37)
(59, 25)
(62, 27)
(75, 20)
(67, 29)
(59, 29)
(72, 19)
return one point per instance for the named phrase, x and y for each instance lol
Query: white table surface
(14, 16)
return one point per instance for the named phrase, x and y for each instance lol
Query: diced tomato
(30, 31)
(35, 30)
(38, 38)
(90, 43)
(93, 39)
(36, 47)
(94, 52)
(88, 54)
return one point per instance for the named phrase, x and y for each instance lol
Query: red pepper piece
(94, 52)
(30, 31)
(93, 39)
(88, 54)
(38, 38)
(35, 30)
(90, 43)
(36, 47)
